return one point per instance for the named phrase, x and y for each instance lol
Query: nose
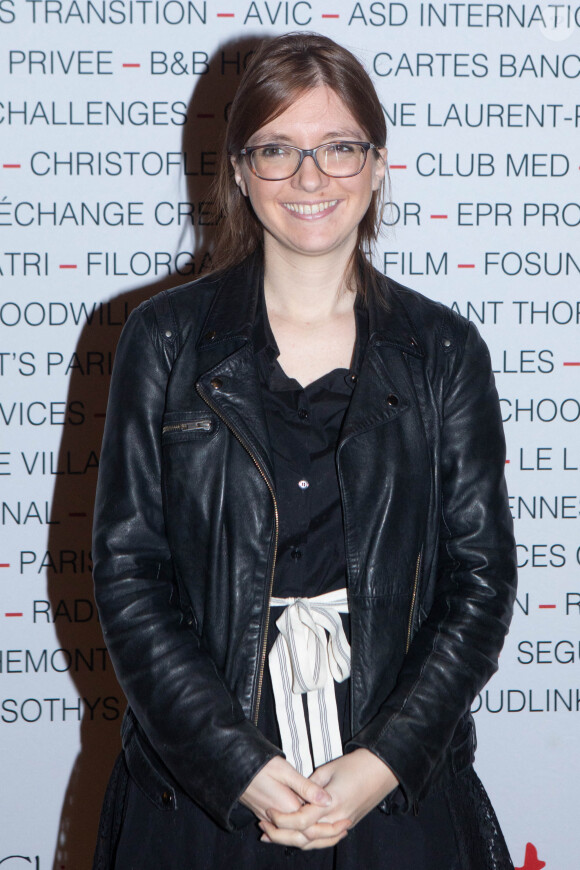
(309, 177)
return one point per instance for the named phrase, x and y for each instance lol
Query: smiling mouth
(307, 208)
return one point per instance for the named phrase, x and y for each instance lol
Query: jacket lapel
(385, 389)
(231, 386)
(232, 389)
(378, 398)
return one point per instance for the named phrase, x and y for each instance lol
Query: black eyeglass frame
(307, 152)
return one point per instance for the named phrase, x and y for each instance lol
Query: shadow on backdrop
(69, 583)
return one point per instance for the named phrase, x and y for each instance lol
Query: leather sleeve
(192, 720)
(455, 651)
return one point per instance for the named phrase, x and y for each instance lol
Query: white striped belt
(304, 661)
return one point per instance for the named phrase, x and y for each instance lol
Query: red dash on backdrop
(226, 15)
(11, 166)
(131, 65)
(439, 217)
(397, 165)
(68, 266)
(547, 606)
(531, 861)
(13, 614)
(466, 265)
(4, 564)
(571, 364)
(328, 15)
(507, 462)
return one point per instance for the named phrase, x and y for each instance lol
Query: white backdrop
(110, 115)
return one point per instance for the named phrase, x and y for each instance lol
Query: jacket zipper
(276, 519)
(183, 427)
(413, 601)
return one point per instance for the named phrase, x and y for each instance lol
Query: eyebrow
(283, 138)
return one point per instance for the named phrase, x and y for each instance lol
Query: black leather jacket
(186, 527)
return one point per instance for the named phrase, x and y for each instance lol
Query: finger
(282, 836)
(309, 791)
(270, 789)
(318, 831)
(327, 830)
(323, 844)
(322, 775)
(287, 801)
(303, 818)
(278, 795)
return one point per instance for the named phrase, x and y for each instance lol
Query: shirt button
(303, 484)
(353, 378)
(303, 414)
(296, 554)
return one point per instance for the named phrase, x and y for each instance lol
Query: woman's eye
(340, 148)
(273, 151)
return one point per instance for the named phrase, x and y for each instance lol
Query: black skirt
(454, 829)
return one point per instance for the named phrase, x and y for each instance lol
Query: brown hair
(282, 70)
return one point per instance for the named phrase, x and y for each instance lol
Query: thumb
(309, 791)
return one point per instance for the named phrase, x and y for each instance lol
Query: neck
(306, 288)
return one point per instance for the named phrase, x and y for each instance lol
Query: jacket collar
(231, 384)
(234, 306)
(232, 313)
(390, 323)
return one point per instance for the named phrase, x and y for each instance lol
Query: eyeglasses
(337, 159)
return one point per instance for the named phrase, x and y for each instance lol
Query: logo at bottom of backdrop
(531, 860)
(12, 862)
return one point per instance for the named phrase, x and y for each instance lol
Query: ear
(379, 168)
(238, 175)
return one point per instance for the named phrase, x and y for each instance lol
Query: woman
(295, 426)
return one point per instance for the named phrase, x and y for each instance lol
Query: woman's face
(285, 208)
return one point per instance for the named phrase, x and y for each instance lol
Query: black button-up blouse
(304, 425)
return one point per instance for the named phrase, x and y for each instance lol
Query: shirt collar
(266, 350)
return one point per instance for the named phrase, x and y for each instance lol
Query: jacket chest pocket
(193, 471)
(179, 426)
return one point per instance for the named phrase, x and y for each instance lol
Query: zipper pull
(204, 425)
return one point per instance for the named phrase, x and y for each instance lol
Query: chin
(310, 244)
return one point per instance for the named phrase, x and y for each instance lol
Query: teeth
(305, 208)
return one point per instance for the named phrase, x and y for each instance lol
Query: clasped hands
(316, 813)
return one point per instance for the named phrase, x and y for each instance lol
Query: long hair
(282, 70)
